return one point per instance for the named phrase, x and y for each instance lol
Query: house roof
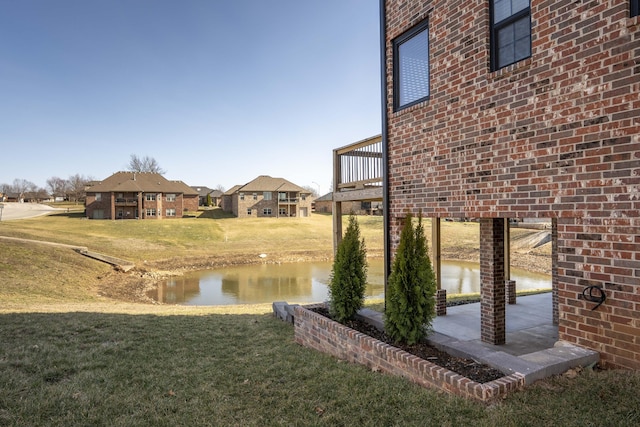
(326, 198)
(267, 183)
(232, 190)
(145, 182)
(201, 190)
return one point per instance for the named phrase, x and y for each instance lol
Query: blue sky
(218, 92)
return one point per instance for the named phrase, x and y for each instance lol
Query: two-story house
(139, 195)
(514, 109)
(267, 197)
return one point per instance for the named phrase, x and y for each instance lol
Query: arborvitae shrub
(410, 306)
(349, 274)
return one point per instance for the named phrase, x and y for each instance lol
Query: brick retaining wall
(320, 333)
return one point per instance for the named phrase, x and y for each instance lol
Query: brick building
(501, 109)
(139, 195)
(266, 196)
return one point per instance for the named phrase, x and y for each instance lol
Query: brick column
(492, 291)
(441, 302)
(554, 270)
(510, 288)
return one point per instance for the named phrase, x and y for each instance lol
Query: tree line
(72, 189)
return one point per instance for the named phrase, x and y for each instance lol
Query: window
(266, 211)
(282, 212)
(510, 32)
(151, 197)
(98, 197)
(249, 211)
(255, 196)
(635, 7)
(170, 212)
(241, 196)
(151, 212)
(411, 67)
(171, 197)
(266, 195)
(303, 197)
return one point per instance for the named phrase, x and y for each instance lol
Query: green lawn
(69, 357)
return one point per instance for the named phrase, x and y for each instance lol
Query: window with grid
(249, 211)
(266, 211)
(171, 197)
(635, 7)
(151, 212)
(150, 197)
(170, 212)
(411, 67)
(510, 32)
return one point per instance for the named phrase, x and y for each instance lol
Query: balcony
(358, 171)
(288, 201)
(126, 202)
(357, 177)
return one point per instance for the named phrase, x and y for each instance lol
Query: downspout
(385, 160)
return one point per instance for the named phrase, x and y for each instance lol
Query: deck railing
(358, 165)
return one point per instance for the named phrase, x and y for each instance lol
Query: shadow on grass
(244, 369)
(215, 213)
(70, 214)
(215, 369)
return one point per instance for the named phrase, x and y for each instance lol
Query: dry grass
(70, 357)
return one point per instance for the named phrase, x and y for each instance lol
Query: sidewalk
(531, 349)
(529, 325)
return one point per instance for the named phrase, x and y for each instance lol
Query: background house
(324, 204)
(203, 192)
(268, 197)
(139, 195)
(503, 110)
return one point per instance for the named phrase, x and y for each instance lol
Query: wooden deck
(357, 176)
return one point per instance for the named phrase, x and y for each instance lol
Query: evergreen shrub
(410, 305)
(349, 274)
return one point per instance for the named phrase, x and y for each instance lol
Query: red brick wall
(320, 333)
(92, 204)
(189, 204)
(553, 136)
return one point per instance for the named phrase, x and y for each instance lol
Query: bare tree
(77, 187)
(310, 189)
(37, 194)
(57, 186)
(220, 188)
(21, 187)
(4, 189)
(145, 164)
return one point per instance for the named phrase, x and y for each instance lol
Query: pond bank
(134, 285)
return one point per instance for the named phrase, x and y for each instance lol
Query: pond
(307, 282)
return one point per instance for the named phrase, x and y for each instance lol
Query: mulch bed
(477, 372)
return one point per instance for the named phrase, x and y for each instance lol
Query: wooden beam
(352, 195)
(435, 249)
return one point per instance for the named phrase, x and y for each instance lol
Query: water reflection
(306, 282)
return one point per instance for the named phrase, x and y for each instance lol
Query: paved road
(24, 210)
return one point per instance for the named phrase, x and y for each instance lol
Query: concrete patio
(531, 349)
